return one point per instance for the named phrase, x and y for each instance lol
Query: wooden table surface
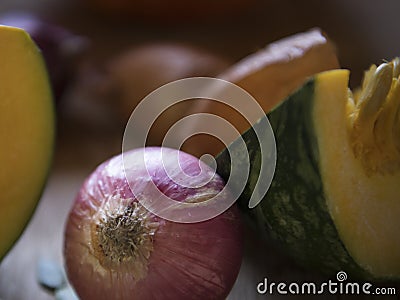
(364, 32)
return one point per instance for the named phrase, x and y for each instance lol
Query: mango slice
(26, 132)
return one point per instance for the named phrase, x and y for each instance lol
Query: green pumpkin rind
(294, 212)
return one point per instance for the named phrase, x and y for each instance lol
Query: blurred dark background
(364, 32)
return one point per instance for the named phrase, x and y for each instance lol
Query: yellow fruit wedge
(26, 132)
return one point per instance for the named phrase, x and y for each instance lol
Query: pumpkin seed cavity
(374, 113)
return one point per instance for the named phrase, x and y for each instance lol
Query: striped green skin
(294, 212)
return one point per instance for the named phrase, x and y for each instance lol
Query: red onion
(116, 249)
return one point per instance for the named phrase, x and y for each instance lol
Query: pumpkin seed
(374, 95)
(50, 274)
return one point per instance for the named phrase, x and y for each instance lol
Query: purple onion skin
(59, 46)
(187, 261)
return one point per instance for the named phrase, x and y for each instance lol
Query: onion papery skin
(177, 261)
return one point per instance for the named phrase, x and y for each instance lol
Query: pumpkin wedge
(269, 75)
(26, 132)
(334, 201)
